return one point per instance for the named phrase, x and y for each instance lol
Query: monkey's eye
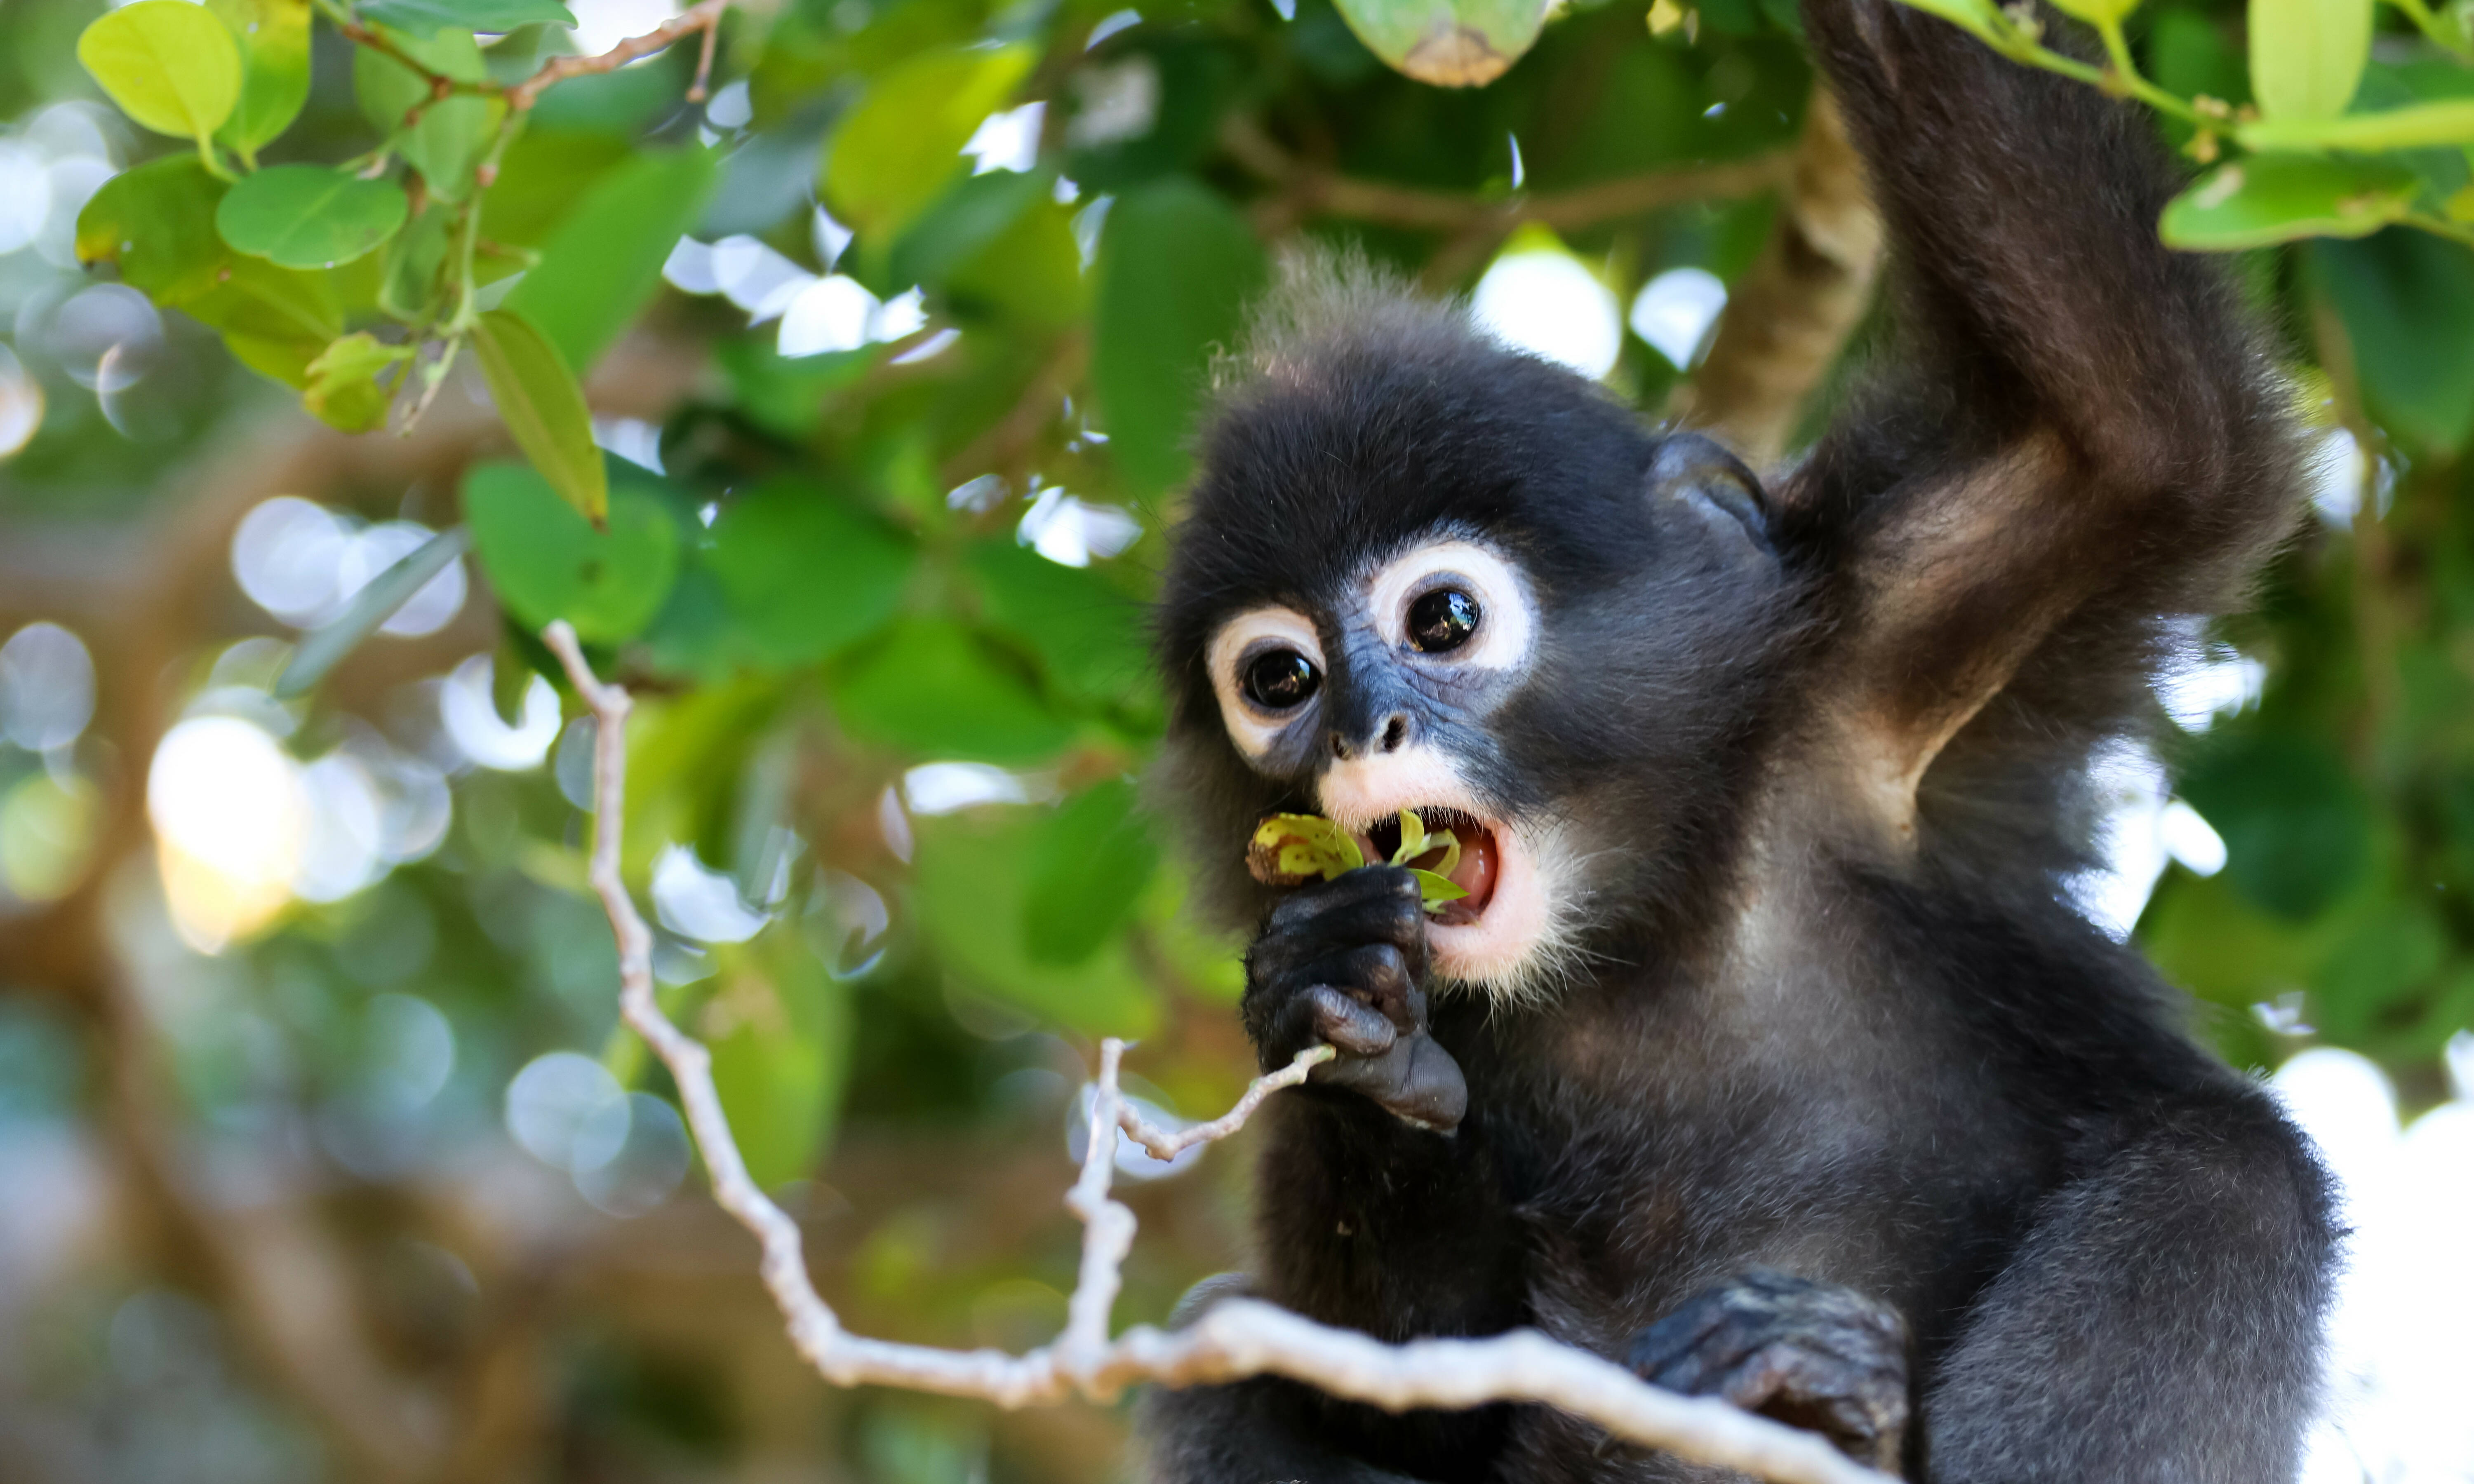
(1278, 679)
(1443, 620)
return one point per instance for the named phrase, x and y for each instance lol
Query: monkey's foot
(1813, 1355)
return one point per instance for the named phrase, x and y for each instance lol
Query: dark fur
(1943, 1093)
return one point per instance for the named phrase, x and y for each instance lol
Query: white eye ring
(1251, 727)
(1507, 615)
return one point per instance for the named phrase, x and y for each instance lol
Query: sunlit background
(355, 944)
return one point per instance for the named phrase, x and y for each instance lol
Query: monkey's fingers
(1352, 1028)
(1415, 1080)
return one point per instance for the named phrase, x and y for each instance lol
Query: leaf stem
(2431, 25)
(2126, 76)
(214, 163)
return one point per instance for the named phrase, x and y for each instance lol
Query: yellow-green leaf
(2097, 13)
(2416, 126)
(2306, 56)
(895, 152)
(170, 65)
(1977, 16)
(1288, 849)
(274, 37)
(543, 409)
(342, 388)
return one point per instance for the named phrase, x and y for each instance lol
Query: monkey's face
(1419, 572)
(1378, 699)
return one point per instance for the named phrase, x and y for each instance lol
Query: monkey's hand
(1810, 1354)
(1343, 963)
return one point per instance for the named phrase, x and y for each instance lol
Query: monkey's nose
(1395, 732)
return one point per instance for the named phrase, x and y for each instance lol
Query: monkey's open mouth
(1474, 872)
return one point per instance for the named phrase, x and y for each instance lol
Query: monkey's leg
(2160, 1322)
(1260, 1431)
(1812, 1354)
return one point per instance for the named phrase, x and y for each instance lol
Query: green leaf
(170, 65)
(1088, 634)
(1434, 888)
(2267, 199)
(2296, 825)
(1089, 864)
(786, 395)
(543, 409)
(342, 388)
(783, 1061)
(410, 284)
(972, 875)
(895, 152)
(974, 212)
(1031, 273)
(274, 319)
(1176, 265)
(371, 606)
(2407, 299)
(424, 17)
(158, 223)
(2306, 56)
(2415, 126)
(1973, 16)
(452, 133)
(935, 689)
(603, 264)
(309, 216)
(804, 574)
(1448, 43)
(274, 69)
(545, 563)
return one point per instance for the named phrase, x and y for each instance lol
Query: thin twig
(703, 16)
(1236, 1339)
(1161, 1144)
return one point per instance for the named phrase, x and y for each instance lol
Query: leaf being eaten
(1291, 850)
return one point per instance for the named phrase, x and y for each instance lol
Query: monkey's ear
(1696, 475)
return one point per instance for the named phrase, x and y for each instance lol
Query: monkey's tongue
(1475, 875)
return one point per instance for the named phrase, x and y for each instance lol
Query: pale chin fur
(1525, 946)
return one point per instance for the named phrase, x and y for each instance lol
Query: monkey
(1767, 1053)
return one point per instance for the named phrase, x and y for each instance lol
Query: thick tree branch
(1236, 1339)
(1791, 312)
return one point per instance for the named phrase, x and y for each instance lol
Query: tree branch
(1313, 191)
(1236, 1339)
(704, 16)
(1791, 312)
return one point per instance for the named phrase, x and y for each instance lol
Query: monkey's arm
(2085, 425)
(2160, 1321)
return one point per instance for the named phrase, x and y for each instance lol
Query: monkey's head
(1420, 571)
